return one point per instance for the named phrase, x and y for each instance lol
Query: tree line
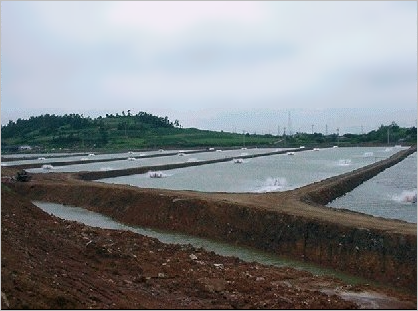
(144, 130)
(52, 124)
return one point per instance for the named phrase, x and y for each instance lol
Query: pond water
(244, 253)
(52, 158)
(17, 156)
(263, 174)
(135, 160)
(389, 194)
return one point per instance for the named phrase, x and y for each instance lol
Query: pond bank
(291, 224)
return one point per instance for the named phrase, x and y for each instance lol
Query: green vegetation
(146, 131)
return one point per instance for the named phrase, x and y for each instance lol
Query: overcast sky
(219, 65)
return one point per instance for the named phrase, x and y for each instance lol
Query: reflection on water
(140, 160)
(244, 253)
(71, 157)
(390, 194)
(262, 174)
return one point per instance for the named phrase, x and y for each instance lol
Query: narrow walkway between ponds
(293, 224)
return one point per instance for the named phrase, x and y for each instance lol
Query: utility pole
(312, 128)
(338, 136)
(289, 123)
(388, 135)
(284, 135)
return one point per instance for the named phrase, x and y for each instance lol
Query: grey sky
(213, 64)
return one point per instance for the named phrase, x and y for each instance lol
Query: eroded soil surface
(49, 263)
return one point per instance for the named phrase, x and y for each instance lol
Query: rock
(213, 284)
(4, 299)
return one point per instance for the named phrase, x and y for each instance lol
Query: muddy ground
(49, 263)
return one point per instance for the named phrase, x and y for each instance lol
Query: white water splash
(273, 184)
(238, 160)
(368, 154)
(407, 196)
(157, 174)
(106, 168)
(344, 162)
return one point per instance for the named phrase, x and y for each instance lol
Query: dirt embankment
(324, 192)
(371, 253)
(48, 263)
(366, 246)
(87, 160)
(143, 169)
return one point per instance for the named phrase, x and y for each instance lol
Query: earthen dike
(293, 224)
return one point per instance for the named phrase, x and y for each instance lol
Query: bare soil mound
(49, 263)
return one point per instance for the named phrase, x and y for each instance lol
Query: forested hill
(73, 130)
(144, 130)
(73, 123)
(125, 131)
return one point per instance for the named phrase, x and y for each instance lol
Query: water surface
(386, 195)
(135, 160)
(52, 158)
(263, 174)
(244, 253)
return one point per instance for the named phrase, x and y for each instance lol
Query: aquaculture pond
(53, 158)
(140, 160)
(262, 174)
(390, 194)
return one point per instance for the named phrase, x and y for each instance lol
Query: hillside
(145, 131)
(116, 132)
